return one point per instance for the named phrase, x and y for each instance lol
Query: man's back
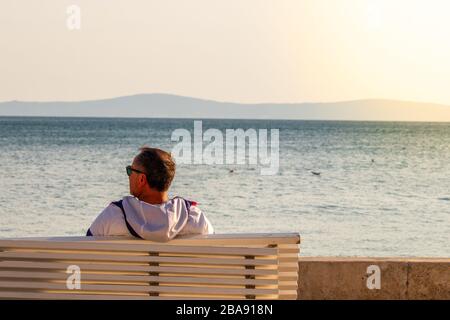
(161, 222)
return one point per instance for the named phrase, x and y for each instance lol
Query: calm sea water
(384, 188)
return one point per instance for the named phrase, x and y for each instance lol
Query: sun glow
(353, 49)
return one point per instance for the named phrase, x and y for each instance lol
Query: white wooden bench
(232, 266)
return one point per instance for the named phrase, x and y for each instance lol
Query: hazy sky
(232, 50)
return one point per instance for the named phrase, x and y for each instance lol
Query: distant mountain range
(173, 106)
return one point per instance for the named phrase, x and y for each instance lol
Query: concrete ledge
(356, 278)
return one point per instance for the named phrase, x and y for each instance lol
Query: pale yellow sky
(228, 50)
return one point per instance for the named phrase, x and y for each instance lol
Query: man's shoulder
(109, 221)
(112, 210)
(187, 202)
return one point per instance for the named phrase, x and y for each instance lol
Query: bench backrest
(233, 266)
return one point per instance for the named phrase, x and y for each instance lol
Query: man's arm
(197, 223)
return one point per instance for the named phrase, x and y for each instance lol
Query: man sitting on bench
(148, 213)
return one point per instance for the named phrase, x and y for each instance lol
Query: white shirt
(161, 222)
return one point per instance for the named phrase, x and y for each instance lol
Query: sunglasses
(130, 170)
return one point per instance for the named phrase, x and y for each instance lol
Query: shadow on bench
(228, 266)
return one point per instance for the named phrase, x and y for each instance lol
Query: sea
(349, 188)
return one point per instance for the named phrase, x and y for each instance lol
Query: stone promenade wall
(373, 278)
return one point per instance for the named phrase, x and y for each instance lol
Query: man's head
(152, 171)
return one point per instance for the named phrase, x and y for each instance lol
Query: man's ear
(142, 179)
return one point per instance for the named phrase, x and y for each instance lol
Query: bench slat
(83, 296)
(213, 239)
(142, 268)
(136, 278)
(141, 258)
(137, 247)
(132, 289)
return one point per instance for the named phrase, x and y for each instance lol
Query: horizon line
(225, 102)
(239, 119)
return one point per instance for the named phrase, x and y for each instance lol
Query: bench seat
(221, 266)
